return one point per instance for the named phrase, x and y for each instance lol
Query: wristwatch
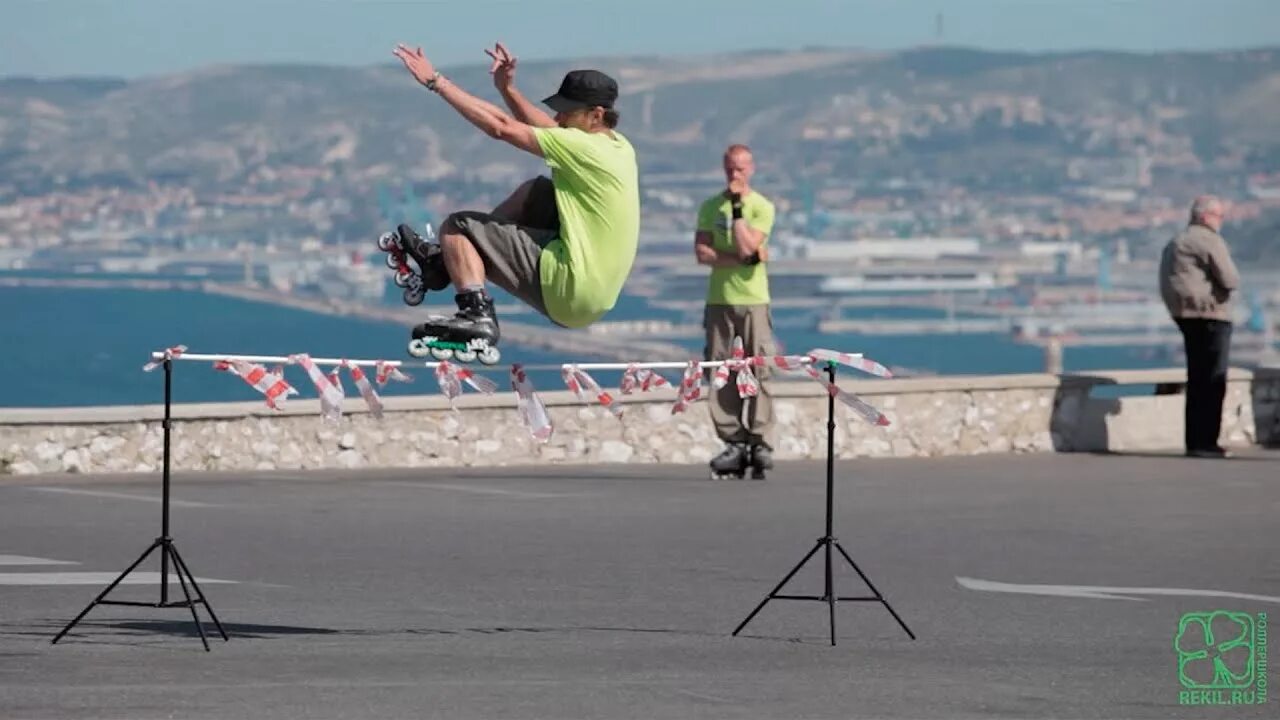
(431, 84)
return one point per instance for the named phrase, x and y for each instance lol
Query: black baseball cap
(583, 89)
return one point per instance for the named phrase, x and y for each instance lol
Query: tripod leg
(831, 595)
(182, 567)
(105, 592)
(775, 590)
(190, 605)
(879, 597)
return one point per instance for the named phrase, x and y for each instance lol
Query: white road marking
(482, 490)
(122, 496)
(96, 578)
(1102, 592)
(25, 560)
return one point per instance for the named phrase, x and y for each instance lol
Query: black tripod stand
(826, 543)
(167, 551)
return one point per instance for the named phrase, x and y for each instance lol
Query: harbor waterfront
(85, 345)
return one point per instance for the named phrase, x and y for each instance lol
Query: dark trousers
(1207, 343)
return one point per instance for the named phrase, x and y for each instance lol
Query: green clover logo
(1215, 650)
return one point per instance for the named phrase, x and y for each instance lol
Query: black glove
(753, 260)
(735, 202)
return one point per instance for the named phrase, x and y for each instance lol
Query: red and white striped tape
(336, 382)
(271, 385)
(169, 354)
(856, 362)
(451, 377)
(690, 387)
(642, 379)
(384, 371)
(366, 389)
(533, 411)
(581, 383)
(533, 414)
(738, 362)
(331, 396)
(857, 404)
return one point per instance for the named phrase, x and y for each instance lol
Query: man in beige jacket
(1197, 282)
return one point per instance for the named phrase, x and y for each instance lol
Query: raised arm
(749, 233)
(484, 115)
(504, 79)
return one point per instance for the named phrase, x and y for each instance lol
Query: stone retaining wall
(958, 415)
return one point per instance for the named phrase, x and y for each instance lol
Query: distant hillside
(940, 111)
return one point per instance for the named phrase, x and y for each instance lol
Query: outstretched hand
(415, 62)
(503, 68)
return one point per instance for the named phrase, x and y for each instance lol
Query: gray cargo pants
(754, 324)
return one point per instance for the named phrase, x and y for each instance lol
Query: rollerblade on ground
(430, 274)
(761, 460)
(732, 462)
(471, 334)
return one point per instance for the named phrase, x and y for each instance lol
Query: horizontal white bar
(669, 365)
(206, 357)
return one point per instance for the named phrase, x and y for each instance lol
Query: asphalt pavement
(1036, 585)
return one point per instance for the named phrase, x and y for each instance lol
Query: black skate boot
(761, 460)
(428, 255)
(430, 275)
(731, 462)
(471, 333)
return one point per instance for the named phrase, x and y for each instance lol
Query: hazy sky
(48, 38)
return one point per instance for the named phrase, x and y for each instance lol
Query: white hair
(1205, 204)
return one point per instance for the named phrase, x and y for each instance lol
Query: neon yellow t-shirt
(742, 284)
(598, 197)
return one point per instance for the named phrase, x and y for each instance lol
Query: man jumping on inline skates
(564, 246)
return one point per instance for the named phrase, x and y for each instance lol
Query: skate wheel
(413, 296)
(489, 356)
(402, 278)
(465, 356)
(418, 349)
(386, 241)
(440, 353)
(393, 262)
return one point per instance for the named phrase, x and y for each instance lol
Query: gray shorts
(511, 248)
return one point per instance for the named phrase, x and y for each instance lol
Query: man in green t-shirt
(566, 245)
(732, 236)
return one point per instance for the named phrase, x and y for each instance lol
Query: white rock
(350, 459)
(658, 412)
(265, 449)
(970, 415)
(46, 451)
(348, 441)
(488, 447)
(73, 462)
(290, 456)
(785, 413)
(23, 468)
(265, 465)
(105, 444)
(143, 468)
(793, 447)
(450, 426)
(613, 451)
